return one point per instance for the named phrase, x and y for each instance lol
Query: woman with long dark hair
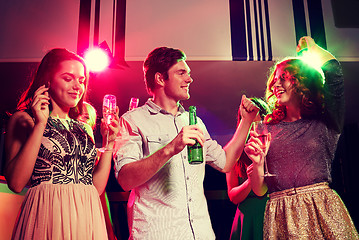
(49, 149)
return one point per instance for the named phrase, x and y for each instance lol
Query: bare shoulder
(20, 122)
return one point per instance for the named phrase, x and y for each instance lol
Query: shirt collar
(155, 109)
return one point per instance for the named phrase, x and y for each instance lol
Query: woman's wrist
(108, 151)
(40, 125)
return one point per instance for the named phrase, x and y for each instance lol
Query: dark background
(216, 91)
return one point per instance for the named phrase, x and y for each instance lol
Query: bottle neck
(192, 115)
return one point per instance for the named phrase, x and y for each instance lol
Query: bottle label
(195, 154)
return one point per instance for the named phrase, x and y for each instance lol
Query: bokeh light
(97, 59)
(313, 60)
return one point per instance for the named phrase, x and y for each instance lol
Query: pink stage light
(97, 59)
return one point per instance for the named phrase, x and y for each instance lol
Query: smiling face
(67, 85)
(283, 88)
(176, 86)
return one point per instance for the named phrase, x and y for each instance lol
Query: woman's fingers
(40, 104)
(254, 138)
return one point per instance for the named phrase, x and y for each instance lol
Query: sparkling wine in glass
(264, 139)
(108, 111)
(133, 103)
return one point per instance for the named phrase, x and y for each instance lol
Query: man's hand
(247, 109)
(187, 136)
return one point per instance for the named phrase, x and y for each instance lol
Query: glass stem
(106, 140)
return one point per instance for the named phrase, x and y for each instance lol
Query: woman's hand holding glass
(257, 149)
(109, 130)
(109, 122)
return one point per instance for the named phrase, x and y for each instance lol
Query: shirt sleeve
(334, 95)
(215, 156)
(128, 145)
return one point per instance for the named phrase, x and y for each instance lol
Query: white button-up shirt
(172, 204)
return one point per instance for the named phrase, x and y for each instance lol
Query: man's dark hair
(160, 60)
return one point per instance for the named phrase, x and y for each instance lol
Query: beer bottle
(195, 152)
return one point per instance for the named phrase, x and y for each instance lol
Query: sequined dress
(62, 202)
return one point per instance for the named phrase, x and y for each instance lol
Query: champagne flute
(108, 111)
(133, 103)
(264, 140)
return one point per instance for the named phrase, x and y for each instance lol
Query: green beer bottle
(195, 152)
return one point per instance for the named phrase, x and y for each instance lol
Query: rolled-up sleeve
(128, 147)
(215, 155)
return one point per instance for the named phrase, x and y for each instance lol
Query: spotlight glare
(313, 60)
(96, 60)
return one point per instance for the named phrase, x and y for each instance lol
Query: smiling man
(167, 200)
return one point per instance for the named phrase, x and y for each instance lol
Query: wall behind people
(206, 29)
(28, 29)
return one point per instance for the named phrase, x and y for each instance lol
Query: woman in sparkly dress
(304, 129)
(55, 154)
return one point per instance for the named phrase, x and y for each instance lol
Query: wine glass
(108, 111)
(133, 103)
(264, 140)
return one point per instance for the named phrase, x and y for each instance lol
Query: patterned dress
(62, 202)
